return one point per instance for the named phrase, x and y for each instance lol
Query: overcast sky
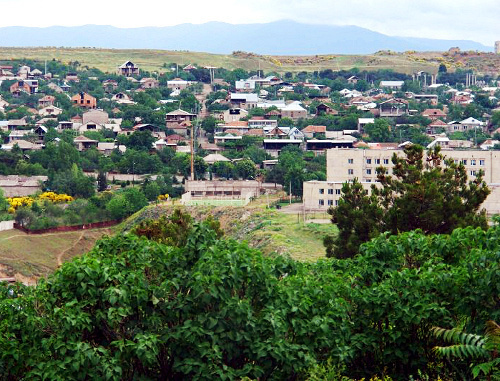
(444, 19)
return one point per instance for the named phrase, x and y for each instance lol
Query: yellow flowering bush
(163, 197)
(17, 202)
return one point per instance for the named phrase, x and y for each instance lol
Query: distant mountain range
(275, 38)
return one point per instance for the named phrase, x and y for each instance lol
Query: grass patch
(39, 255)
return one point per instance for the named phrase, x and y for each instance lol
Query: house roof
(179, 112)
(215, 157)
(84, 139)
(256, 132)
(433, 111)
(438, 123)
(315, 129)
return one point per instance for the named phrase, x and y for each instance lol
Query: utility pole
(290, 191)
(192, 152)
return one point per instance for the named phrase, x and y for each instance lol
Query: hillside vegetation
(155, 60)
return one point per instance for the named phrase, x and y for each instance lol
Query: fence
(60, 229)
(6, 225)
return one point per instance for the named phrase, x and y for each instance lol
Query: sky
(475, 20)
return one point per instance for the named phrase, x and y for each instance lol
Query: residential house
(179, 121)
(244, 85)
(295, 133)
(55, 87)
(72, 77)
(65, 87)
(128, 69)
(352, 80)
(23, 146)
(149, 83)
(437, 126)
(40, 132)
(274, 146)
(362, 122)
(276, 132)
(489, 144)
(45, 101)
(320, 146)
(90, 126)
(66, 125)
(83, 143)
(256, 122)
(214, 158)
(393, 108)
(188, 68)
(471, 123)
(26, 86)
(239, 127)
(324, 109)
(96, 116)
(109, 85)
(106, 148)
(313, 131)
(245, 101)
(84, 100)
(3, 104)
(294, 111)
(233, 115)
(15, 124)
(434, 113)
(393, 85)
(50, 111)
(178, 84)
(122, 98)
(432, 99)
(18, 135)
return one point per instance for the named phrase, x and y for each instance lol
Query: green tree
(427, 196)
(379, 131)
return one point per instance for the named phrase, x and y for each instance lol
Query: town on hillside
(212, 136)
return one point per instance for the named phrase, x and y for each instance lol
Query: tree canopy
(432, 194)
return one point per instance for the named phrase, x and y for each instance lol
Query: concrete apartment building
(347, 164)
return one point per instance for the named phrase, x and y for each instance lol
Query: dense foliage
(212, 308)
(420, 194)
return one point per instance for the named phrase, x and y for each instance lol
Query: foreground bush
(214, 309)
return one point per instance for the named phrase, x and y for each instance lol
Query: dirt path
(61, 254)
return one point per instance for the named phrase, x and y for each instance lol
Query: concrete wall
(6, 225)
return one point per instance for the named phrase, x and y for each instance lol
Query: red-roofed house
(312, 131)
(434, 113)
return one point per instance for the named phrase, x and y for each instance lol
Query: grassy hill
(154, 60)
(30, 256)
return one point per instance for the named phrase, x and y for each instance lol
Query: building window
(336, 202)
(386, 161)
(368, 161)
(350, 161)
(455, 161)
(330, 191)
(321, 191)
(330, 202)
(350, 171)
(481, 161)
(377, 161)
(321, 202)
(337, 191)
(368, 171)
(464, 161)
(473, 162)
(473, 173)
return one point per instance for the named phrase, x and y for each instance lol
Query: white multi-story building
(343, 165)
